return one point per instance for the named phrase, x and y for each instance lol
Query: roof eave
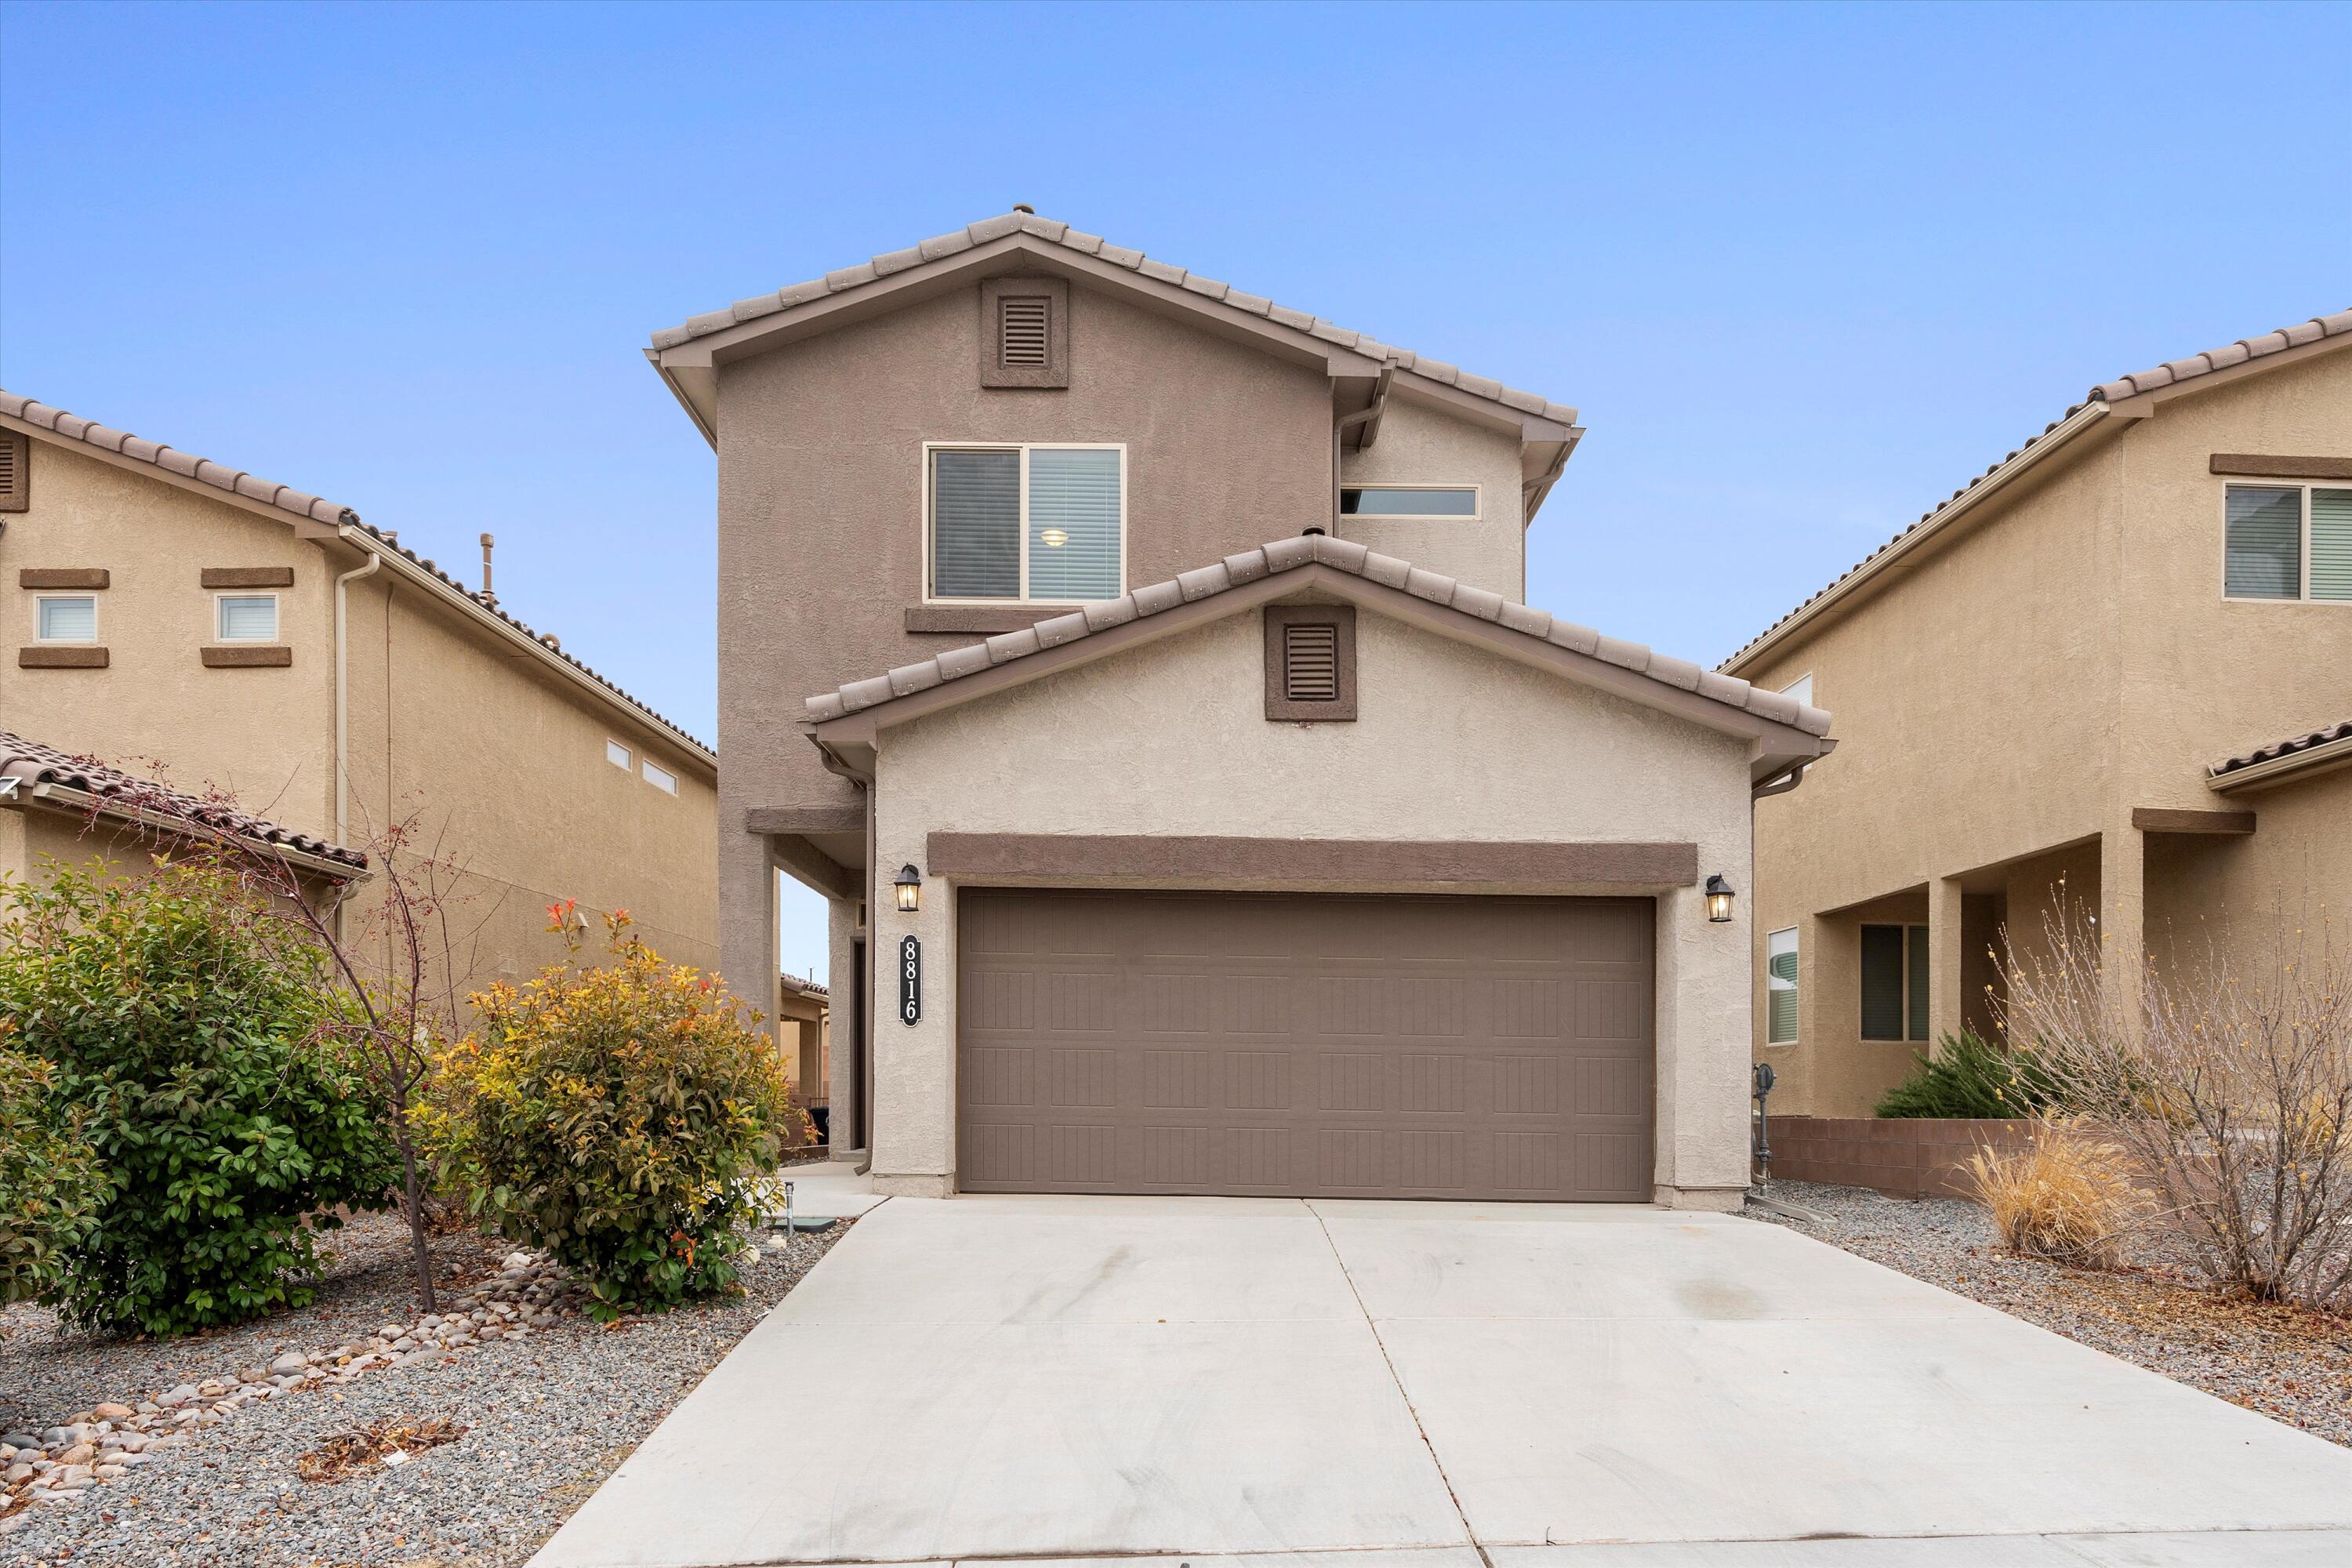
(2292, 768)
(65, 798)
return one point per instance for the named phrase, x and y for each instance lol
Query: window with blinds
(1780, 987)
(247, 617)
(2287, 542)
(1895, 983)
(1028, 524)
(66, 619)
(1021, 327)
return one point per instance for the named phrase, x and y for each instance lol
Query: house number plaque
(910, 981)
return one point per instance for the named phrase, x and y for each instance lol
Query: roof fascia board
(1867, 576)
(1774, 744)
(1413, 387)
(2142, 404)
(466, 610)
(304, 527)
(2290, 768)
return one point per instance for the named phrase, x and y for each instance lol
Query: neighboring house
(1163, 858)
(2087, 665)
(804, 1036)
(55, 807)
(190, 622)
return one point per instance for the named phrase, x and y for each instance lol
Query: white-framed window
(1411, 503)
(617, 754)
(245, 617)
(2287, 542)
(64, 617)
(1780, 987)
(1802, 688)
(1038, 523)
(660, 778)
(1895, 983)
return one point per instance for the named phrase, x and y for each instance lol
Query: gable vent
(16, 455)
(1310, 663)
(1021, 330)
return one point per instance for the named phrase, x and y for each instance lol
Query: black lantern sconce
(1718, 900)
(910, 889)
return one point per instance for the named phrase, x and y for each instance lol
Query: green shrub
(617, 1117)
(50, 1185)
(1967, 1078)
(180, 1025)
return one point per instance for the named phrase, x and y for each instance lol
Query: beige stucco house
(1200, 808)
(190, 622)
(2118, 663)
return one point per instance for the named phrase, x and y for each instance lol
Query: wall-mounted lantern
(1718, 900)
(910, 889)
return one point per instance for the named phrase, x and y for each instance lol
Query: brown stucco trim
(232, 658)
(245, 577)
(2248, 465)
(52, 656)
(1071, 859)
(979, 620)
(2166, 819)
(848, 819)
(813, 868)
(1279, 706)
(1054, 374)
(63, 577)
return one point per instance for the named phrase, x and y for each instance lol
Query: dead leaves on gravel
(347, 1453)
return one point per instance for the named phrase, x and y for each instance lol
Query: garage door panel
(1289, 1044)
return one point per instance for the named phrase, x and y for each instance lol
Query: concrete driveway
(1429, 1385)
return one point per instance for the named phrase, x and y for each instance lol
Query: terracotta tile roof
(2106, 393)
(2236, 353)
(31, 763)
(2278, 748)
(300, 504)
(793, 295)
(1289, 555)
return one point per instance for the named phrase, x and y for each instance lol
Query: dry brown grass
(346, 1453)
(2065, 1195)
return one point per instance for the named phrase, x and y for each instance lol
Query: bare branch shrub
(2067, 1196)
(2228, 1084)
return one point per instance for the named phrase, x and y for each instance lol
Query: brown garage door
(1304, 1044)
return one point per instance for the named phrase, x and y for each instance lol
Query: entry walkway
(1240, 1382)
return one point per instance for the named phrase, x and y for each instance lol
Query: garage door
(1298, 1045)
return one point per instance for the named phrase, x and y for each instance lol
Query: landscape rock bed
(2287, 1364)
(204, 1469)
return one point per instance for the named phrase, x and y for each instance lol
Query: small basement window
(2287, 542)
(66, 618)
(1450, 503)
(1310, 663)
(1895, 983)
(246, 617)
(661, 778)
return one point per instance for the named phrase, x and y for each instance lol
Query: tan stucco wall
(2066, 658)
(2221, 898)
(1452, 743)
(506, 763)
(1419, 444)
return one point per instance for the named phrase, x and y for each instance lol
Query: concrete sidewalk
(1419, 1385)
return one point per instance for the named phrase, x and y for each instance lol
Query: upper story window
(1034, 524)
(246, 617)
(617, 754)
(2287, 542)
(1420, 504)
(1802, 688)
(661, 778)
(63, 617)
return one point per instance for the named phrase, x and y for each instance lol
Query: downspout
(342, 679)
(1346, 422)
(873, 967)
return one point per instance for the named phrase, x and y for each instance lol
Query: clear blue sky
(1804, 270)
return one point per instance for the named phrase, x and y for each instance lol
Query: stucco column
(747, 920)
(914, 1064)
(1946, 960)
(844, 1085)
(1704, 1030)
(2123, 938)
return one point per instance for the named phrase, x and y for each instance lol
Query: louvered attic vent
(16, 465)
(1021, 330)
(1310, 663)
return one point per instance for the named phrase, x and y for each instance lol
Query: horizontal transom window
(1409, 501)
(1044, 523)
(2287, 542)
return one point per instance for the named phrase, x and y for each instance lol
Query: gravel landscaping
(2290, 1364)
(545, 1405)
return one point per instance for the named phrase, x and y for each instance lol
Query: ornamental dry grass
(2065, 1195)
(2226, 1084)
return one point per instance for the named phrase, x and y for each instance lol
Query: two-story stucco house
(2118, 663)
(1138, 667)
(186, 619)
